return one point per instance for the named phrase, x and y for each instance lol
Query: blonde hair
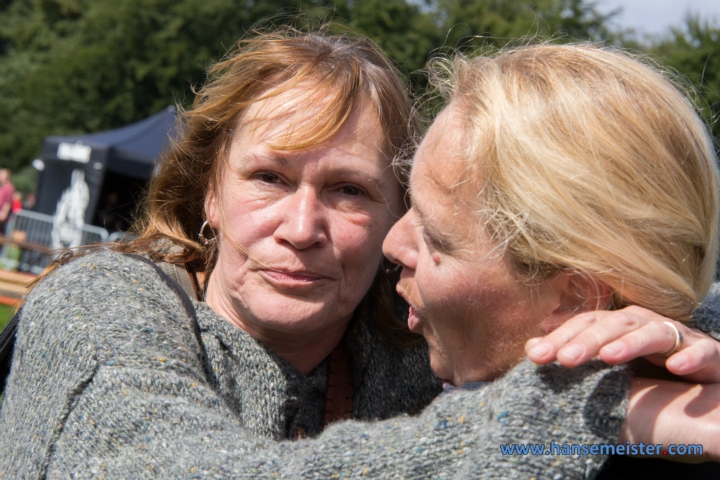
(590, 160)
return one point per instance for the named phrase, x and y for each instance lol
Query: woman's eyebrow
(285, 162)
(264, 157)
(446, 239)
(349, 172)
(414, 205)
(421, 215)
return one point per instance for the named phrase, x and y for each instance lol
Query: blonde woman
(561, 180)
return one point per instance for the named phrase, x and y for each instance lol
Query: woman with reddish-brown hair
(276, 199)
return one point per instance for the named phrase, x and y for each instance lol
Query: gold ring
(678, 342)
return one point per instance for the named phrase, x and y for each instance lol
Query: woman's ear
(211, 209)
(572, 293)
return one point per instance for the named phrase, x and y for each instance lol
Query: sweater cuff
(571, 408)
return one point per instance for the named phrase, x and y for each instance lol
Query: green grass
(6, 313)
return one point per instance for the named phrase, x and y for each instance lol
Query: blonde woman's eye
(435, 244)
(429, 241)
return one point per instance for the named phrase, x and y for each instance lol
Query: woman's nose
(304, 222)
(399, 246)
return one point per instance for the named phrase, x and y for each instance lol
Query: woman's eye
(432, 243)
(268, 177)
(351, 190)
(429, 241)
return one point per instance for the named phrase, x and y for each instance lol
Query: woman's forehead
(441, 157)
(445, 183)
(307, 115)
(279, 112)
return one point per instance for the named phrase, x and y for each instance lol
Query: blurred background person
(29, 201)
(6, 198)
(17, 202)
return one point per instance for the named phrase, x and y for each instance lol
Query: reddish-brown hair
(345, 68)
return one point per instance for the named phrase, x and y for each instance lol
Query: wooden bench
(19, 240)
(14, 286)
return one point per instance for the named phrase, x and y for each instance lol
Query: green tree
(498, 22)
(83, 66)
(694, 50)
(403, 30)
(75, 66)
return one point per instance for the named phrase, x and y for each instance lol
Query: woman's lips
(287, 278)
(413, 315)
(413, 320)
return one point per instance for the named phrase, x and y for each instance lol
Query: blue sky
(656, 16)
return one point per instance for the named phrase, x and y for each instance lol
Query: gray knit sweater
(109, 381)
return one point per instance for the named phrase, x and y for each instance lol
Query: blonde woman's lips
(413, 320)
(413, 316)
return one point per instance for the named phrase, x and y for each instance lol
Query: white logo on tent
(74, 151)
(69, 217)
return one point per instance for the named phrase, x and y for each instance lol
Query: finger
(697, 361)
(700, 360)
(651, 339)
(588, 343)
(544, 350)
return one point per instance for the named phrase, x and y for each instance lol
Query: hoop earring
(202, 238)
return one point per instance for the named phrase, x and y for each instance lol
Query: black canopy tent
(104, 172)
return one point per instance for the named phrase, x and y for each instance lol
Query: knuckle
(563, 336)
(638, 342)
(643, 339)
(626, 320)
(662, 330)
(595, 337)
(633, 309)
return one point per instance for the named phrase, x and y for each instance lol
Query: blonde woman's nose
(399, 245)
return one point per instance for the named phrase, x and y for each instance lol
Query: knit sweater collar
(273, 399)
(268, 395)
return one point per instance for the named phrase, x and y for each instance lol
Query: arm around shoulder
(459, 434)
(109, 382)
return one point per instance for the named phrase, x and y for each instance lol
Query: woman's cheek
(253, 220)
(360, 251)
(360, 234)
(441, 287)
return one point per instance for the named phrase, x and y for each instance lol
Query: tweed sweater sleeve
(108, 381)
(707, 316)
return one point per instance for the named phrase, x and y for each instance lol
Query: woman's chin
(299, 321)
(440, 368)
(294, 316)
